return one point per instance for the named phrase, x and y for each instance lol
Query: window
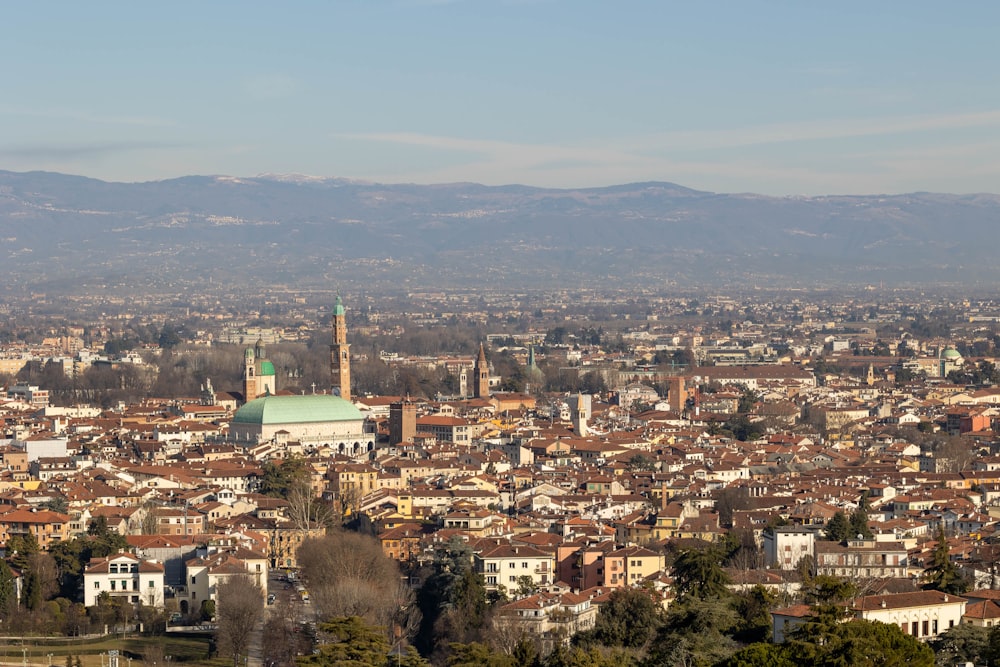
(524, 565)
(113, 584)
(152, 584)
(97, 585)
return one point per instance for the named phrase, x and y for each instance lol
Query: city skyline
(732, 97)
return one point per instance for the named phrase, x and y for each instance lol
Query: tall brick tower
(340, 354)
(481, 371)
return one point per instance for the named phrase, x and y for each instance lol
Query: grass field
(189, 651)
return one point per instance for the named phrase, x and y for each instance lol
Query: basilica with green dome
(321, 420)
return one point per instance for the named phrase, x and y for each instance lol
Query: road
(287, 604)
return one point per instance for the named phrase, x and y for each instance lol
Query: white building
(785, 546)
(124, 577)
(923, 614)
(203, 575)
(506, 564)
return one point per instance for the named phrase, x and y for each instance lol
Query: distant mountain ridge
(300, 229)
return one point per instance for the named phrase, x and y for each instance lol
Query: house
(126, 578)
(205, 574)
(508, 565)
(552, 617)
(785, 546)
(923, 614)
(46, 526)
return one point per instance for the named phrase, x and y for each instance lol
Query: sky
(777, 98)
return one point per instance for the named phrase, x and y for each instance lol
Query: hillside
(68, 230)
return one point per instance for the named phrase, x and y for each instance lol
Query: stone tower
(402, 422)
(481, 371)
(340, 354)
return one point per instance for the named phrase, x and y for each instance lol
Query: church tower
(340, 355)
(249, 375)
(258, 373)
(481, 371)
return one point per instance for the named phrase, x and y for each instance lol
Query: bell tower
(481, 371)
(340, 354)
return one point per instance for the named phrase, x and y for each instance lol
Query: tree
(838, 528)
(698, 573)
(452, 601)
(630, 618)
(760, 655)
(240, 606)
(963, 643)
(754, 609)
(859, 643)
(349, 575)
(354, 642)
(858, 524)
(942, 574)
(695, 632)
(8, 594)
(278, 480)
(476, 654)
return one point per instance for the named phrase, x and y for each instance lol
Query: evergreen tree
(859, 525)
(629, 619)
(8, 594)
(698, 574)
(838, 528)
(942, 574)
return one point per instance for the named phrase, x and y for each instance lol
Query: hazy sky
(795, 97)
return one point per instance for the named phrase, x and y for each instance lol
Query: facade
(551, 617)
(506, 565)
(47, 527)
(204, 575)
(785, 546)
(124, 577)
(316, 419)
(923, 614)
(862, 559)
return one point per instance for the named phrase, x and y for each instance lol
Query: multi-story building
(124, 577)
(46, 526)
(785, 546)
(506, 565)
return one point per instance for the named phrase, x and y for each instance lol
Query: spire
(481, 386)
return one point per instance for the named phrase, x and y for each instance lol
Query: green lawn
(189, 651)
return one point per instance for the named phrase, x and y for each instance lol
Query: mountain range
(70, 231)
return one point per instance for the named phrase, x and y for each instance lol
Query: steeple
(481, 384)
(340, 354)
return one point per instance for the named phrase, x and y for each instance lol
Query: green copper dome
(266, 368)
(297, 410)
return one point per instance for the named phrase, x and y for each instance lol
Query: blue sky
(773, 97)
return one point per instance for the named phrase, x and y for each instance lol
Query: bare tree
(306, 510)
(240, 606)
(349, 575)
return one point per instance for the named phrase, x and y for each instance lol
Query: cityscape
(540, 460)
(499, 333)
